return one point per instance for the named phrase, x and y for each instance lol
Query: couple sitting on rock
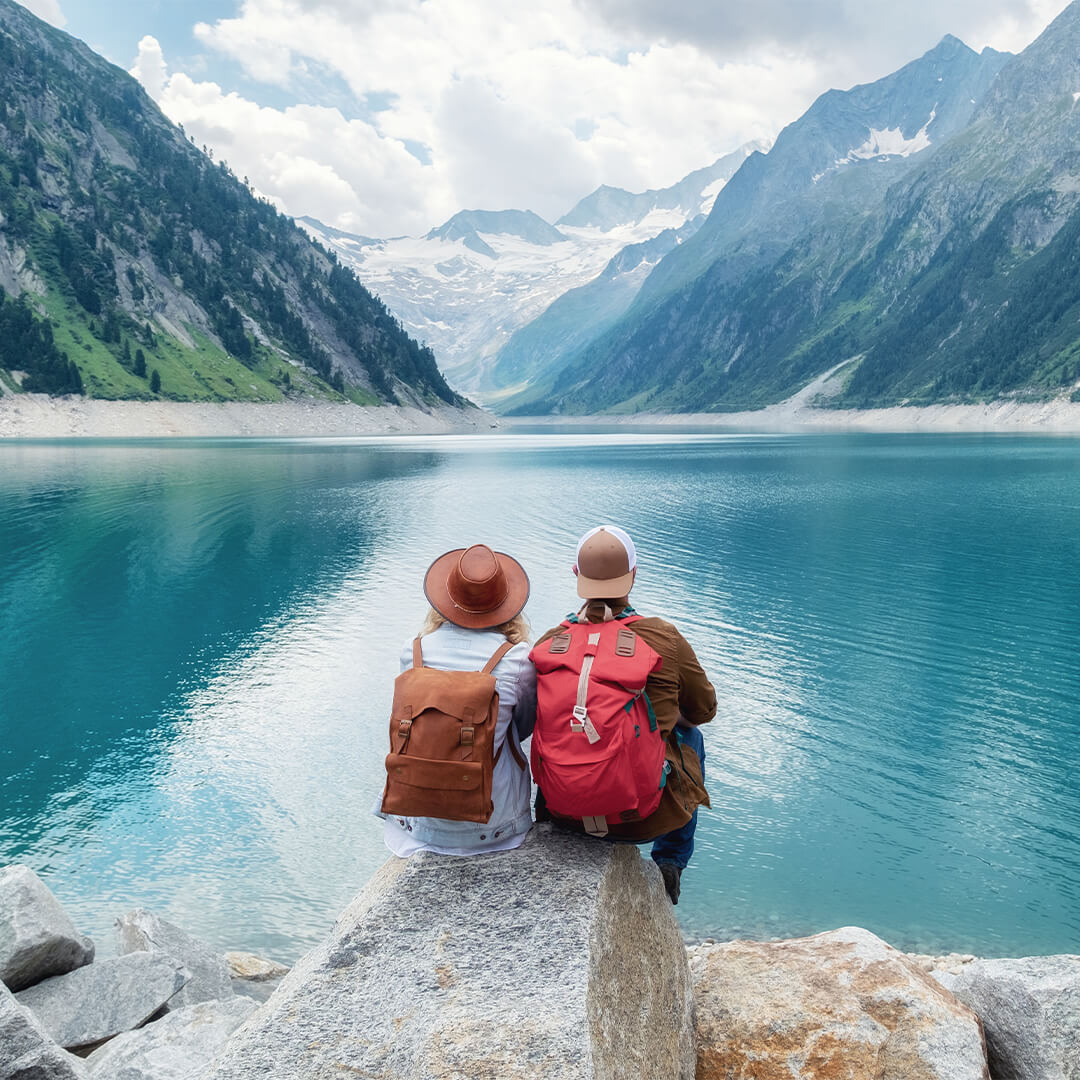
(611, 700)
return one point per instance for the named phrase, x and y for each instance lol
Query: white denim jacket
(453, 648)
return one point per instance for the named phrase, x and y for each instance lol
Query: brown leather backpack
(442, 737)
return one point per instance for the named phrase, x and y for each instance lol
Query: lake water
(198, 640)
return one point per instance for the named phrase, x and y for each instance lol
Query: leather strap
(417, 653)
(511, 738)
(515, 753)
(500, 652)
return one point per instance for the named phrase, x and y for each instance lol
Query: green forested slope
(130, 251)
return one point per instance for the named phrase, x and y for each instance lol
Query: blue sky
(385, 117)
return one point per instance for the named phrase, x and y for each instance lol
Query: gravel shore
(37, 416)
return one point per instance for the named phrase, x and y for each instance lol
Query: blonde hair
(516, 630)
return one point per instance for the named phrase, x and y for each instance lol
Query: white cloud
(150, 68)
(49, 10)
(536, 110)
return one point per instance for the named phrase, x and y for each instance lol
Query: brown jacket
(679, 686)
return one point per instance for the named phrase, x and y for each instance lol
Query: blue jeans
(676, 847)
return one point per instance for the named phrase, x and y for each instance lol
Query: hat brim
(606, 589)
(517, 592)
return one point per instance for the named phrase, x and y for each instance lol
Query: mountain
(524, 224)
(833, 248)
(608, 207)
(885, 122)
(133, 266)
(466, 286)
(547, 344)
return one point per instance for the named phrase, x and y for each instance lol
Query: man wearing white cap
(679, 692)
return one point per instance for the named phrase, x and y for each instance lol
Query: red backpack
(597, 754)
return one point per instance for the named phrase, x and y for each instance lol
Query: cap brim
(606, 589)
(438, 595)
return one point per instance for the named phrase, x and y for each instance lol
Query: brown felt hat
(476, 587)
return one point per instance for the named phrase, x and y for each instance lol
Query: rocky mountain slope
(133, 266)
(469, 284)
(938, 261)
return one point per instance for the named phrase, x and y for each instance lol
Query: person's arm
(524, 713)
(697, 698)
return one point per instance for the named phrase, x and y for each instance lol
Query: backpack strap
(510, 739)
(417, 653)
(499, 653)
(515, 753)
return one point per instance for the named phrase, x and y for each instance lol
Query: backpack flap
(451, 692)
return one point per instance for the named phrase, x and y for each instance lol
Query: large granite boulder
(1030, 1009)
(26, 1051)
(37, 939)
(209, 980)
(843, 1006)
(94, 1003)
(561, 959)
(173, 1048)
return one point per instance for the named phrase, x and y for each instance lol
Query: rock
(253, 976)
(1030, 1009)
(208, 971)
(26, 1051)
(99, 1001)
(843, 1005)
(37, 939)
(245, 965)
(951, 962)
(560, 959)
(174, 1047)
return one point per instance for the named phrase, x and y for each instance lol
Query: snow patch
(708, 196)
(890, 143)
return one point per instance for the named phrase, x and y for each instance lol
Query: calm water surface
(198, 639)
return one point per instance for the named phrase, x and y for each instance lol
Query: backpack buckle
(404, 727)
(466, 736)
(584, 724)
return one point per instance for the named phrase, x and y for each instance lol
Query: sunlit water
(198, 640)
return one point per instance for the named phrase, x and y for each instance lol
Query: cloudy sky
(385, 117)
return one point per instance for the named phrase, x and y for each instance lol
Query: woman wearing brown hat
(477, 597)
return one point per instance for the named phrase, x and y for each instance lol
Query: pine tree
(155, 382)
(140, 363)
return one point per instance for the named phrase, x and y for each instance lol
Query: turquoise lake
(198, 641)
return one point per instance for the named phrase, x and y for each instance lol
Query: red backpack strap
(417, 653)
(499, 653)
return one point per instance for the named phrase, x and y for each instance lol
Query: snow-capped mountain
(466, 286)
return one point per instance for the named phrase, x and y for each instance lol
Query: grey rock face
(26, 1051)
(174, 1047)
(561, 959)
(142, 931)
(1030, 1009)
(99, 1001)
(37, 939)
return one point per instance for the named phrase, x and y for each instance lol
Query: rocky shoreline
(38, 416)
(1059, 417)
(838, 1004)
